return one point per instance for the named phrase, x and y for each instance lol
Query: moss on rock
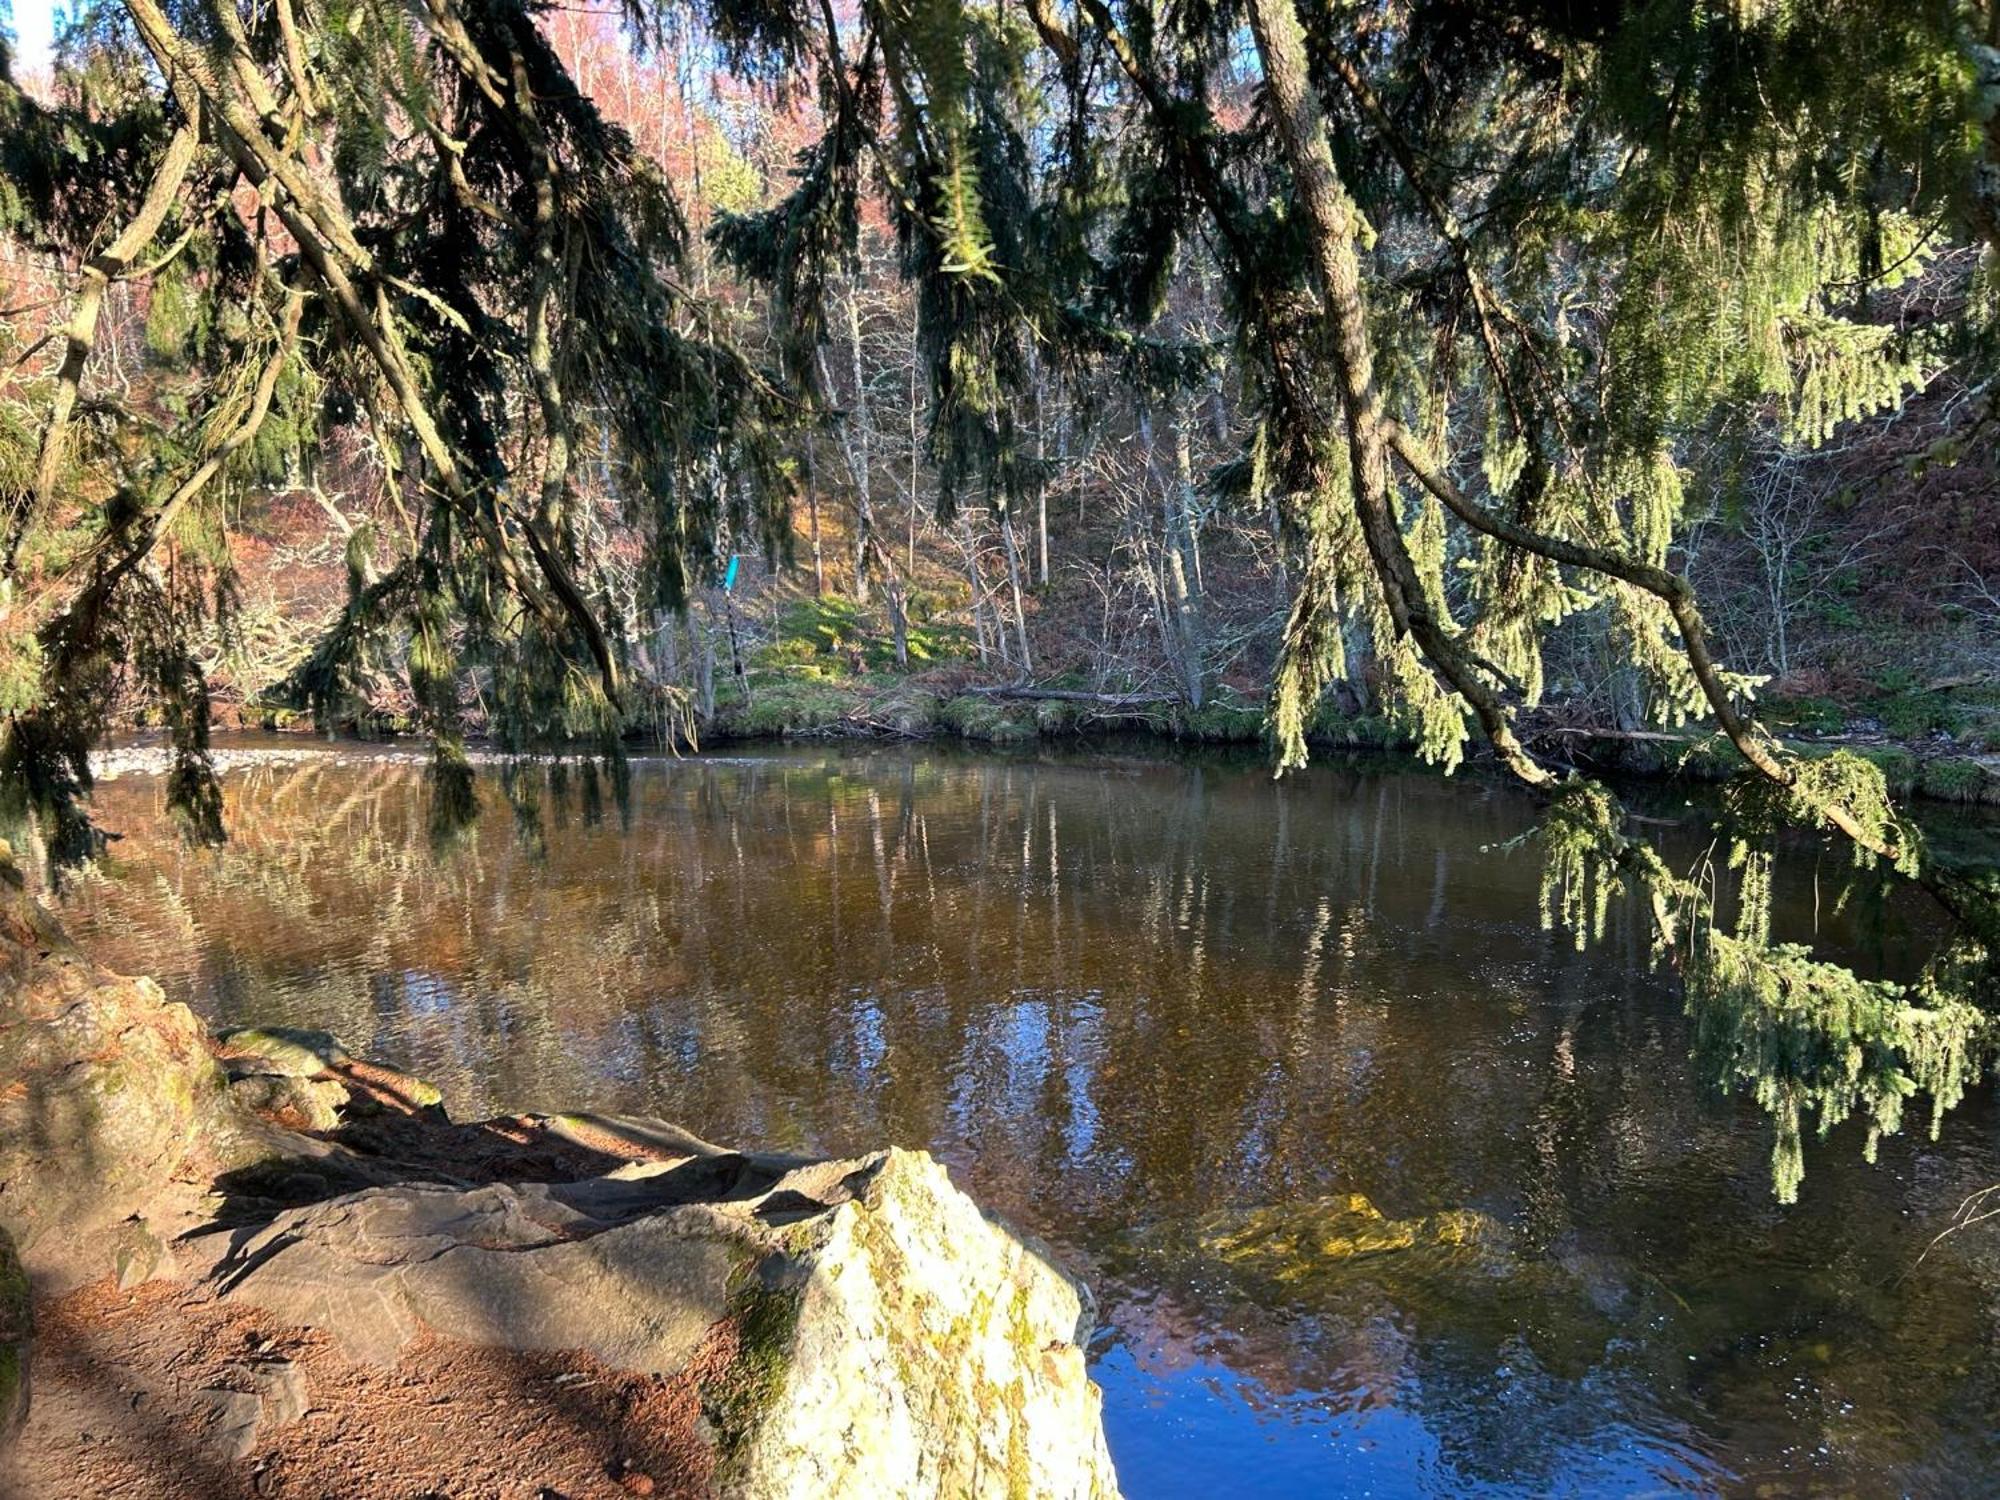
(737, 1398)
(16, 1327)
(288, 1051)
(1293, 1241)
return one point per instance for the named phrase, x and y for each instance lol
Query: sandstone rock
(888, 1339)
(232, 1431)
(260, 1398)
(515, 1267)
(312, 1103)
(302, 1054)
(282, 1384)
(375, 1088)
(139, 1254)
(102, 1087)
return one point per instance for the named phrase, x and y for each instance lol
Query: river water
(1169, 1016)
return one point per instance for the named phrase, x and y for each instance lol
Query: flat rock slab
(503, 1266)
(886, 1338)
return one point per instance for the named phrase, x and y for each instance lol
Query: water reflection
(1124, 992)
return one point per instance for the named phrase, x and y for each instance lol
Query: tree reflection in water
(1124, 993)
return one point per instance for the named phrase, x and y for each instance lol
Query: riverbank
(252, 1263)
(1929, 765)
(1932, 767)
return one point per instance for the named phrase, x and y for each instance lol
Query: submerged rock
(1290, 1241)
(865, 1330)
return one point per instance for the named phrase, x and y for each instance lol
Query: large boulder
(864, 1330)
(104, 1086)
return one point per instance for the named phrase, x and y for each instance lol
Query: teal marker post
(729, 616)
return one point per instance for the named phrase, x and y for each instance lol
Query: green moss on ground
(1909, 711)
(1954, 779)
(15, 1307)
(1806, 714)
(1898, 767)
(787, 706)
(820, 696)
(974, 717)
(1222, 723)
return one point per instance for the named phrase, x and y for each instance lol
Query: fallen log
(1074, 695)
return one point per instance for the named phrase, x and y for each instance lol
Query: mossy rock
(1293, 1241)
(407, 1089)
(16, 1325)
(863, 1329)
(313, 1103)
(288, 1051)
(115, 1094)
(737, 1397)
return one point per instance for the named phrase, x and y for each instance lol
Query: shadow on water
(1124, 994)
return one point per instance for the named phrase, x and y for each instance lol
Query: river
(1168, 1015)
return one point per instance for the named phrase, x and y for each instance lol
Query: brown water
(1127, 995)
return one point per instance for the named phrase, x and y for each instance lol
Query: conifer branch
(80, 335)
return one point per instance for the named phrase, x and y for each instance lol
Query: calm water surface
(1130, 998)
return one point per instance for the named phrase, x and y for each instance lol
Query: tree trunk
(1013, 552)
(703, 649)
(81, 331)
(863, 430)
(915, 448)
(892, 592)
(812, 513)
(1041, 471)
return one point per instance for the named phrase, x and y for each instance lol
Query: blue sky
(33, 27)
